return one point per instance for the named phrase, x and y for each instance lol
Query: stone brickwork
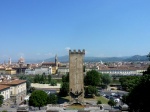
(76, 77)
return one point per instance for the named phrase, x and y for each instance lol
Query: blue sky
(39, 29)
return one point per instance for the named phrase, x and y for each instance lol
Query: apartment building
(122, 71)
(5, 91)
(16, 90)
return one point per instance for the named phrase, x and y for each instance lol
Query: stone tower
(76, 76)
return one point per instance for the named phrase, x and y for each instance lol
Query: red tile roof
(12, 82)
(3, 87)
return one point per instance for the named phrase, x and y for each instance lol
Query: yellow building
(10, 71)
(54, 65)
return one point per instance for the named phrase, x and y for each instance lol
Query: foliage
(139, 97)
(32, 89)
(1, 99)
(92, 78)
(99, 102)
(65, 78)
(37, 78)
(91, 90)
(124, 98)
(148, 71)
(106, 79)
(112, 103)
(49, 78)
(64, 90)
(53, 82)
(129, 82)
(38, 98)
(52, 99)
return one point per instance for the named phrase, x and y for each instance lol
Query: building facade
(16, 92)
(5, 91)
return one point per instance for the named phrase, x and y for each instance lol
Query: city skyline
(42, 29)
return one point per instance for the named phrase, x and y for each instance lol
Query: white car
(117, 100)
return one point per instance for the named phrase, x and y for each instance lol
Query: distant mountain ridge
(104, 59)
(91, 59)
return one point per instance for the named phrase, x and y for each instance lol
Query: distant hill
(137, 58)
(104, 59)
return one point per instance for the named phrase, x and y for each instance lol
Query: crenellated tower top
(77, 52)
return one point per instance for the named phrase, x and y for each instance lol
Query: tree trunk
(39, 108)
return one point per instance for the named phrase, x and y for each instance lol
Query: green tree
(128, 82)
(139, 97)
(106, 79)
(91, 90)
(38, 98)
(32, 89)
(65, 78)
(64, 90)
(112, 103)
(52, 99)
(53, 82)
(49, 78)
(92, 78)
(37, 78)
(1, 99)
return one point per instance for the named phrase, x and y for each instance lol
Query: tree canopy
(90, 91)
(129, 82)
(38, 98)
(64, 90)
(52, 99)
(139, 97)
(111, 103)
(1, 99)
(106, 79)
(92, 78)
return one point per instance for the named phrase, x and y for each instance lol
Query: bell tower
(56, 60)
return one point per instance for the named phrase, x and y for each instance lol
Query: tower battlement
(77, 52)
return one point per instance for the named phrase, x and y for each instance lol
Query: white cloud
(67, 48)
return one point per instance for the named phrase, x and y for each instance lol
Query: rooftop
(3, 87)
(12, 82)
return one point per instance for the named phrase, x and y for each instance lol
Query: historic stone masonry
(76, 76)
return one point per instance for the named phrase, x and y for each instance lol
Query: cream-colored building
(5, 91)
(10, 71)
(17, 90)
(2, 71)
(7, 71)
(63, 70)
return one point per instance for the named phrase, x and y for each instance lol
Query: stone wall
(76, 77)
